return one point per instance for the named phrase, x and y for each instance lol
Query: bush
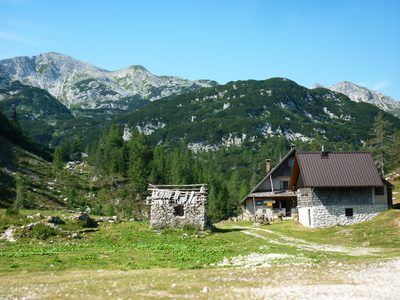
(41, 231)
(11, 211)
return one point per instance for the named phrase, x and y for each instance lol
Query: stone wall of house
(321, 208)
(164, 214)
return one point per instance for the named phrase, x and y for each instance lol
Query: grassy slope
(39, 179)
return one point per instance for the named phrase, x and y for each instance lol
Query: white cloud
(374, 85)
(380, 85)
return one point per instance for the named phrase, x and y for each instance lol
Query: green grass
(125, 258)
(130, 245)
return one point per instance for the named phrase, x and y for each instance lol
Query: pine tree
(113, 152)
(140, 156)
(394, 150)
(20, 196)
(79, 145)
(159, 172)
(380, 141)
(59, 160)
(15, 117)
(98, 160)
(67, 150)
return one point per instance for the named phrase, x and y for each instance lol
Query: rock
(115, 218)
(55, 220)
(76, 236)
(206, 290)
(89, 221)
(174, 285)
(83, 216)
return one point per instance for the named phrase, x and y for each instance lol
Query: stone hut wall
(327, 207)
(167, 213)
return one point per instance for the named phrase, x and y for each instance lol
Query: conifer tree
(59, 160)
(20, 187)
(140, 156)
(380, 141)
(112, 153)
(79, 145)
(159, 171)
(98, 161)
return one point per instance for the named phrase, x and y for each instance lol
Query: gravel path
(377, 281)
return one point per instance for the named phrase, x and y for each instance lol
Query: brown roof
(335, 169)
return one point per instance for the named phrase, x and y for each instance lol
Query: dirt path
(304, 245)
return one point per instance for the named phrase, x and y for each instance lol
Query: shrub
(41, 231)
(11, 211)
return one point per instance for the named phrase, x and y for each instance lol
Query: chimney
(292, 146)
(268, 161)
(323, 148)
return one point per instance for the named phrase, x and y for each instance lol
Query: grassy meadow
(125, 259)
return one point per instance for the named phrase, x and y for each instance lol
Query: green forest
(118, 171)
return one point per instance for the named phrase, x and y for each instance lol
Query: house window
(258, 202)
(291, 162)
(284, 185)
(379, 190)
(349, 212)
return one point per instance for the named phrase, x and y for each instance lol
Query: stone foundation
(322, 208)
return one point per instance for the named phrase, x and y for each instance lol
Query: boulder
(55, 220)
(76, 236)
(89, 221)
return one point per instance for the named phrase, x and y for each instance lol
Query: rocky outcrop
(361, 94)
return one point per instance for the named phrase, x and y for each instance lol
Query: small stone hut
(178, 205)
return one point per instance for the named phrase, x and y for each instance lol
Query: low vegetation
(234, 254)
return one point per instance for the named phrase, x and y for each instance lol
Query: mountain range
(82, 86)
(57, 96)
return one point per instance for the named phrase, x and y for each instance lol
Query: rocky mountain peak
(316, 86)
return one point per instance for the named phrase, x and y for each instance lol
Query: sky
(318, 41)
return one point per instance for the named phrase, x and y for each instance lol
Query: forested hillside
(220, 136)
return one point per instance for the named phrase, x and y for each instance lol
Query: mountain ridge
(249, 112)
(78, 84)
(362, 94)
